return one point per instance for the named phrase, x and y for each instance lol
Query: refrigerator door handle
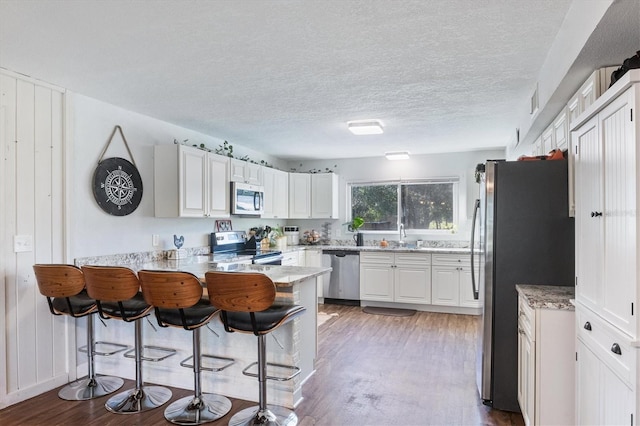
(475, 289)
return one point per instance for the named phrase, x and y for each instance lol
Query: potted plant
(353, 226)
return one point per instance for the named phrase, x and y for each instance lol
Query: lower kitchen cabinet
(451, 281)
(606, 381)
(313, 257)
(399, 277)
(545, 364)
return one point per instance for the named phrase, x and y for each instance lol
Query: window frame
(455, 180)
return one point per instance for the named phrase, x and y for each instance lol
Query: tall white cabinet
(604, 139)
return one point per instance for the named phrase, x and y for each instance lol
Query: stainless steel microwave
(247, 199)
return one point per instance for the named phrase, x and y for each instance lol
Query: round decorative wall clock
(117, 185)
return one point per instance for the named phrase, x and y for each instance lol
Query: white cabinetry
(324, 196)
(605, 372)
(313, 258)
(605, 167)
(399, 277)
(605, 137)
(451, 281)
(545, 364)
(292, 258)
(244, 171)
(276, 193)
(299, 196)
(190, 182)
(313, 196)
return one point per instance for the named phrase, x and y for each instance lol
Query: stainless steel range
(233, 247)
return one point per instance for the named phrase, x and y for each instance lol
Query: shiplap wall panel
(42, 243)
(35, 350)
(8, 103)
(9, 98)
(25, 203)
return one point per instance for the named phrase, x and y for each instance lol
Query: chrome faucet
(402, 232)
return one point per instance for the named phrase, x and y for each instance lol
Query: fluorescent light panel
(397, 155)
(369, 127)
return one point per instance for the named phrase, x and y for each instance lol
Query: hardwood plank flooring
(371, 370)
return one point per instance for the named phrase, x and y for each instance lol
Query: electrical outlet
(155, 240)
(22, 243)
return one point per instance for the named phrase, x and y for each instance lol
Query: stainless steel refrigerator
(525, 236)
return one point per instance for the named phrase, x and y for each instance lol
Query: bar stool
(64, 288)
(246, 303)
(177, 300)
(117, 293)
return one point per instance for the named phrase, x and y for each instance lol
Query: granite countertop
(199, 265)
(547, 296)
(433, 250)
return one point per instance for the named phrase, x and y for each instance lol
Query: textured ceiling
(284, 77)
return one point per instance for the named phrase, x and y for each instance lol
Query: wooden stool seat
(64, 288)
(177, 301)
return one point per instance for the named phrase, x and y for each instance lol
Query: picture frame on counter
(223, 225)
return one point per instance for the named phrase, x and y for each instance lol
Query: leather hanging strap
(118, 128)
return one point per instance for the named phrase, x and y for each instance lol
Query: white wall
(94, 232)
(459, 164)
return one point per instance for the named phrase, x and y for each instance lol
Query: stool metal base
(272, 416)
(194, 411)
(87, 388)
(138, 400)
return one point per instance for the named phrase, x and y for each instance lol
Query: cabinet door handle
(596, 214)
(616, 349)
(520, 331)
(587, 326)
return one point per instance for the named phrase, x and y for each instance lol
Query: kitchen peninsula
(294, 343)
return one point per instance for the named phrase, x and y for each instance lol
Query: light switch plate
(22, 243)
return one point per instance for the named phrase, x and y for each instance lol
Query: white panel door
(619, 217)
(376, 282)
(219, 204)
(412, 284)
(193, 183)
(588, 193)
(445, 285)
(299, 195)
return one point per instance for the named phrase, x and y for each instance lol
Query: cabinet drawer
(422, 259)
(604, 340)
(526, 318)
(451, 259)
(375, 257)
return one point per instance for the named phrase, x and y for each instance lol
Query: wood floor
(371, 370)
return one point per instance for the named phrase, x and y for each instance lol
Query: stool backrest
(110, 283)
(58, 280)
(240, 291)
(170, 290)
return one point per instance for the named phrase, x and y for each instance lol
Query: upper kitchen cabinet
(324, 196)
(276, 193)
(313, 196)
(190, 182)
(244, 171)
(299, 196)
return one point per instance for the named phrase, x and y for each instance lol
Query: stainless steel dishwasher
(343, 285)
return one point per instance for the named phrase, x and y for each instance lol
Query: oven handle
(271, 260)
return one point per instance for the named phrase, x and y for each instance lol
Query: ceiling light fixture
(367, 127)
(397, 155)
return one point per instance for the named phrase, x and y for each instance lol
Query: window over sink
(421, 205)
